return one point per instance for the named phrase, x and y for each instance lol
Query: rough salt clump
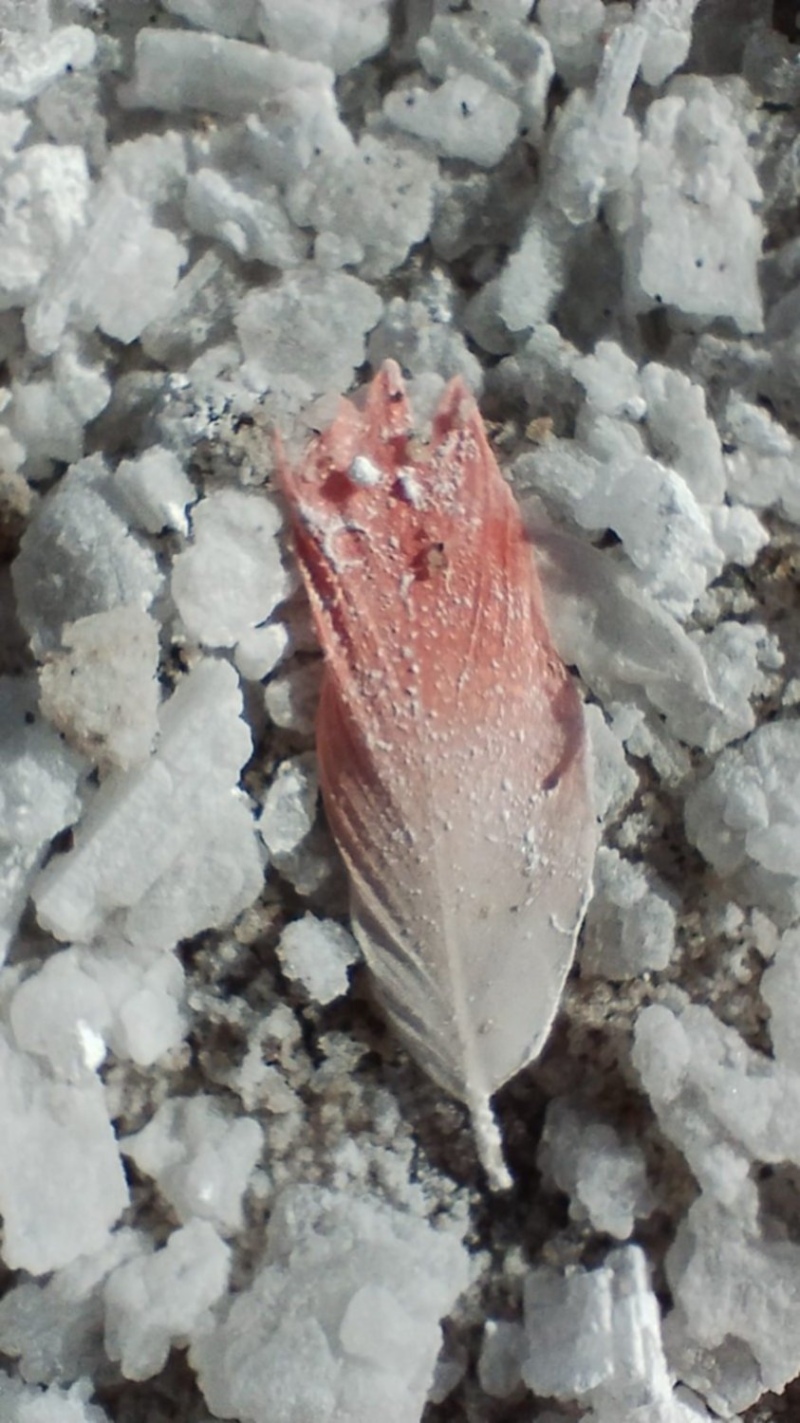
(83, 1001)
(630, 924)
(39, 778)
(574, 29)
(167, 848)
(52, 1405)
(682, 432)
(342, 1320)
(100, 690)
(291, 698)
(306, 335)
(156, 1299)
(692, 238)
(153, 490)
(368, 205)
(52, 1216)
(735, 1331)
(745, 817)
(596, 1336)
(200, 1157)
(342, 34)
(177, 70)
(494, 46)
(78, 557)
(604, 1177)
(318, 953)
(32, 62)
(288, 825)
(423, 337)
(246, 214)
(232, 577)
(763, 466)
(722, 1104)
(737, 656)
(49, 415)
(54, 1328)
(44, 197)
(668, 26)
(463, 118)
(780, 985)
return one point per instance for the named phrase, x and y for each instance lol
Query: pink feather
(450, 738)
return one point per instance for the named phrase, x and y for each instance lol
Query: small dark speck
(29, 718)
(728, 449)
(317, 151)
(698, 261)
(395, 396)
(68, 69)
(658, 298)
(722, 266)
(465, 109)
(410, 101)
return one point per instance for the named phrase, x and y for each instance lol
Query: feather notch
(450, 738)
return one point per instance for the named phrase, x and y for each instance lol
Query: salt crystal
(232, 576)
(292, 697)
(630, 925)
(342, 1321)
(52, 1216)
(763, 468)
(246, 214)
(28, 65)
(780, 990)
(682, 432)
(568, 1325)
(237, 19)
(605, 1178)
(259, 650)
(574, 29)
(51, 1405)
(317, 953)
(200, 1157)
(463, 118)
(503, 1349)
(668, 25)
(39, 780)
(155, 1299)
(167, 847)
(341, 35)
(177, 70)
(306, 334)
(44, 196)
(290, 806)
(153, 490)
(100, 690)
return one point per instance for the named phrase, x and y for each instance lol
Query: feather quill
(450, 738)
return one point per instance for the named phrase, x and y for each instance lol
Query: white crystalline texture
(693, 240)
(120, 276)
(305, 335)
(52, 1405)
(259, 651)
(463, 118)
(630, 925)
(375, 199)
(513, 58)
(100, 690)
(574, 30)
(200, 1157)
(155, 1299)
(425, 340)
(55, 1328)
(780, 987)
(29, 65)
(44, 196)
(595, 1335)
(177, 70)
(722, 1104)
(614, 780)
(236, 19)
(154, 491)
(682, 432)
(735, 655)
(83, 1000)
(232, 576)
(503, 1350)
(246, 214)
(341, 34)
(595, 147)
(292, 697)
(197, 314)
(49, 415)
(763, 467)
(738, 1297)
(615, 484)
(611, 381)
(533, 278)
(53, 1215)
(78, 557)
(668, 26)
(317, 953)
(38, 796)
(343, 1320)
(168, 848)
(297, 847)
(745, 816)
(605, 1178)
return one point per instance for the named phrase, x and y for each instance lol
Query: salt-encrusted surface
(224, 1190)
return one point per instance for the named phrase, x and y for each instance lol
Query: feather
(450, 738)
